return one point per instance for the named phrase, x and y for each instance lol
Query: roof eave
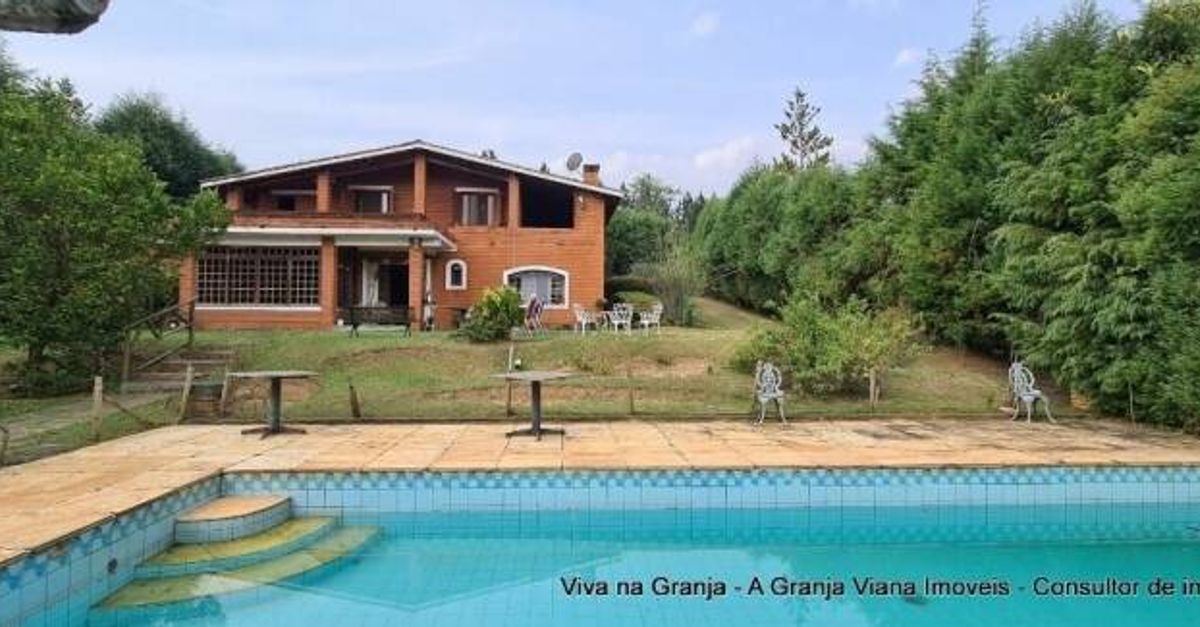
(300, 166)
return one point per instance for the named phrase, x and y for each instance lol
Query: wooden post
(127, 358)
(355, 408)
(222, 404)
(187, 391)
(4, 435)
(97, 406)
(512, 350)
(629, 385)
(873, 387)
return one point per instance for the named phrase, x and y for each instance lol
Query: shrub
(494, 316)
(827, 351)
(639, 300)
(627, 283)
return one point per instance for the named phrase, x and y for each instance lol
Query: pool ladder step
(146, 593)
(208, 557)
(232, 517)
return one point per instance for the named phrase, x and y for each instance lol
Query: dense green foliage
(647, 242)
(88, 235)
(170, 146)
(1043, 202)
(494, 316)
(832, 350)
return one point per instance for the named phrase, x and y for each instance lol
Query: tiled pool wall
(399, 492)
(57, 585)
(193, 532)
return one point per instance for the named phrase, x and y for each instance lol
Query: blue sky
(686, 90)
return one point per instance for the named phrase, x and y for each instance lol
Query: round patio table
(274, 410)
(535, 378)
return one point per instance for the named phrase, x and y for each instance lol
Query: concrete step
(144, 593)
(232, 517)
(210, 557)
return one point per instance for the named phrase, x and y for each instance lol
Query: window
(290, 199)
(478, 207)
(548, 284)
(456, 275)
(258, 276)
(285, 202)
(546, 205)
(372, 199)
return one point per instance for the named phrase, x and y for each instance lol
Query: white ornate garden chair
(768, 386)
(651, 318)
(621, 316)
(1025, 393)
(583, 317)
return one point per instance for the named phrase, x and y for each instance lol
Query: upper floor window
(478, 206)
(550, 285)
(290, 199)
(456, 275)
(372, 198)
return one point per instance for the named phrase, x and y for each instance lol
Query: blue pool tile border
(57, 585)
(337, 493)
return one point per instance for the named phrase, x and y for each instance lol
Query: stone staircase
(170, 373)
(230, 545)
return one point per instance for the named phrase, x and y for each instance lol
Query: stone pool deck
(47, 500)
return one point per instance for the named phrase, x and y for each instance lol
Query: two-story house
(415, 229)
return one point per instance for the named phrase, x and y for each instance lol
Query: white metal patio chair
(620, 316)
(583, 318)
(1025, 393)
(768, 386)
(651, 318)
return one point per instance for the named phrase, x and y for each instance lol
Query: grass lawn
(680, 373)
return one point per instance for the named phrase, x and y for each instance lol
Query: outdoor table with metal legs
(535, 378)
(274, 409)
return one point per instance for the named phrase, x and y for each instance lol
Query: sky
(685, 90)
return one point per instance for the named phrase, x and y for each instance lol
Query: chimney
(591, 173)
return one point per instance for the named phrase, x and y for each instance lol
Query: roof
(396, 149)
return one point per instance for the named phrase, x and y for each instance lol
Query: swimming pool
(1000, 546)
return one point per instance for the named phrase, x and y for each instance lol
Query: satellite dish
(574, 161)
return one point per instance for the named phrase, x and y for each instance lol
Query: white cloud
(734, 153)
(705, 24)
(906, 57)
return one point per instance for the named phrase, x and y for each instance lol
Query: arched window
(551, 285)
(456, 274)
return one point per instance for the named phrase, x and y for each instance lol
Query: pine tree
(807, 145)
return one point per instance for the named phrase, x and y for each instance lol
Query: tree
(645, 191)
(87, 234)
(170, 145)
(634, 235)
(807, 145)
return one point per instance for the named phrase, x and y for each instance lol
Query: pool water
(1008, 566)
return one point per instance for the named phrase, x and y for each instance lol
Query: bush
(627, 283)
(639, 300)
(494, 316)
(826, 351)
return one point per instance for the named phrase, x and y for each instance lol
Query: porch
(258, 277)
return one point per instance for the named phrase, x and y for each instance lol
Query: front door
(393, 284)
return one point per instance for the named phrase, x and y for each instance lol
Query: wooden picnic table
(535, 378)
(274, 410)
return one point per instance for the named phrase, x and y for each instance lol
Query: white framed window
(551, 285)
(456, 274)
(372, 198)
(477, 206)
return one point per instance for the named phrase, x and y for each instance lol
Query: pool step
(208, 557)
(232, 517)
(149, 592)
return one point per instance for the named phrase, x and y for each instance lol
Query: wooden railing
(162, 324)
